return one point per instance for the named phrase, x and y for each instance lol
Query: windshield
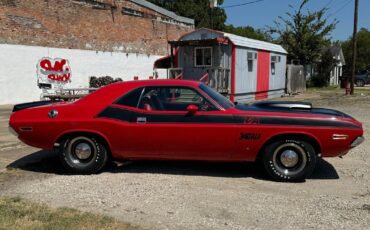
(221, 100)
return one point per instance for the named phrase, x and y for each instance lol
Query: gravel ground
(195, 195)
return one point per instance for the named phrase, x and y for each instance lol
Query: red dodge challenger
(184, 120)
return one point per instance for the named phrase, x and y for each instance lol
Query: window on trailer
(251, 56)
(203, 56)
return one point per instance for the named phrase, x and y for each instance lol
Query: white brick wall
(18, 78)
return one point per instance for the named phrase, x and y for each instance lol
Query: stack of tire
(97, 82)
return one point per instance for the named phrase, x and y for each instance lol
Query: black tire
(77, 158)
(360, 83)
(289, 160)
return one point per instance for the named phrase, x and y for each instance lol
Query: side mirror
(192, 109)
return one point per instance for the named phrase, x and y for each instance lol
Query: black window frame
(216, 108)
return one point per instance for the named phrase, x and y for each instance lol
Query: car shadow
(48, 162)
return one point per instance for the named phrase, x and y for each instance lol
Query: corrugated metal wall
(246, 75)
(277, 81)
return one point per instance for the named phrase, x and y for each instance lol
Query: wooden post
(354, 47)
(172, 58)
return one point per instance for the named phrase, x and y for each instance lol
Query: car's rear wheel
(360, 83)
(83, 155)
(289, 160)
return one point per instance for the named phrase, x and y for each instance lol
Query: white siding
(245, 81)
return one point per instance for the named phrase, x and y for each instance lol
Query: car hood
(291, 107)
(294, 109)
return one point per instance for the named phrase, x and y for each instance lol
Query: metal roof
(164, 11)
(252, 43)
(236, 40)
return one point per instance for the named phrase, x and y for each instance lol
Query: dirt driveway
(188, 195)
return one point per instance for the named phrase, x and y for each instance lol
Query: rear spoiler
(27, 105)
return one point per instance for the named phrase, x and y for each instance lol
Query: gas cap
(53, 113)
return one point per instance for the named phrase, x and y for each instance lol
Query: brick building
(134, 26)
(118, 38)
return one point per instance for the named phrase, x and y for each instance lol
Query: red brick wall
(77, 25)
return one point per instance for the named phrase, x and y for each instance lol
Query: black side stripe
(131, 116)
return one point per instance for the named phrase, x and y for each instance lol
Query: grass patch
(16, 213)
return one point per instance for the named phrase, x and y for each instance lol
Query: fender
(70, 131)
(269, 138)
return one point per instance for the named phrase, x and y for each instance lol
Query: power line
(340, 9)
(241, 4)
(328, 4)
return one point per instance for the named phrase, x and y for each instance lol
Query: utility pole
(354, 47)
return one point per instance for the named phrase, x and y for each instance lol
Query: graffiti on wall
(53, 70)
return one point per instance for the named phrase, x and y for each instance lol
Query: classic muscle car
(184, 120)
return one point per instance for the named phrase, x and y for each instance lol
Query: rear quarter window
(130, 99)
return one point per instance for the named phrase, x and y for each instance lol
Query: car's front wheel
(289, 160)
(83, 155)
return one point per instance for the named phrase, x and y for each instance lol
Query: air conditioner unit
(275, 59)
(252, 56)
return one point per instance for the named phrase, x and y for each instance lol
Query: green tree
(324, 67)
(199, 10)
(304, 34)
(363, 51)
(248, 31)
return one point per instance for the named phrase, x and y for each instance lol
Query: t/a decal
(250, 136)
(251, 120)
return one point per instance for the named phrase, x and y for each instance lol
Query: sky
(265, 12)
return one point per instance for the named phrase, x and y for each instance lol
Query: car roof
(111, 92)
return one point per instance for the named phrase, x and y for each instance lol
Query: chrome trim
(340, 136)
(141, 120)
(357, 141)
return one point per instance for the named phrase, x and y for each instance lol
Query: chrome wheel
(289, 159)
(83, 151)
(83, 154)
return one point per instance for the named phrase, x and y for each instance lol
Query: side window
(251, 57)
(173, 99)
(130, 99)
(274, 59)
(203, 56)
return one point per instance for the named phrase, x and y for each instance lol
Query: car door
(162, 126)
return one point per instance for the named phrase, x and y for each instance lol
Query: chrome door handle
(141, 120)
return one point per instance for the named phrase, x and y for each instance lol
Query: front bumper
(357, 141)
